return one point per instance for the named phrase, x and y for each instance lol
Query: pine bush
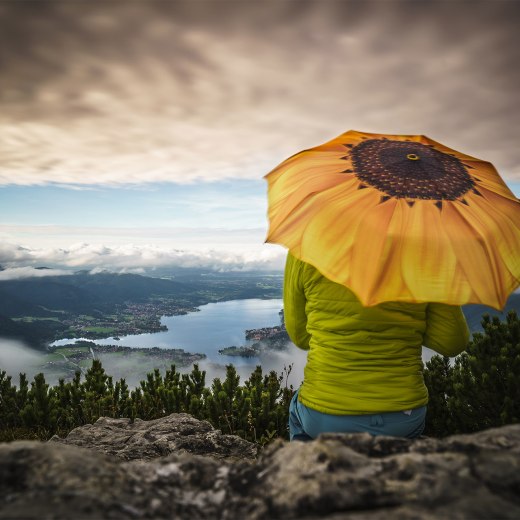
(482, 388)
(256, 411)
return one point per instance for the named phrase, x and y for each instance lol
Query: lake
(214, 326)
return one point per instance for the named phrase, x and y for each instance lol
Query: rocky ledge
(146, 440)
(178, 467)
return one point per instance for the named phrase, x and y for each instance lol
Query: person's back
(363, 360)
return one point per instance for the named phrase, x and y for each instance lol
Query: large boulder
(146, 440)
(461, 477)
(337, 476)
(52, 481)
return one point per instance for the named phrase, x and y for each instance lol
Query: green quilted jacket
(363, 359)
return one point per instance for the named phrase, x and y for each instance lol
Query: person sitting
(364, 364)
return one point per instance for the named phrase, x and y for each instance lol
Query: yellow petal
(495, 219)
(291, 213)
(428, 259)
(489, 178)
(330, 231)
(472, 249)
(371, 247)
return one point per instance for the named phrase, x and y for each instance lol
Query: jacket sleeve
(446, 329)
(294, 303)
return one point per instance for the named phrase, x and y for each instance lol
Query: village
(132, 318)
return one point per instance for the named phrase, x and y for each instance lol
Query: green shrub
(257, 410)
(482, 388)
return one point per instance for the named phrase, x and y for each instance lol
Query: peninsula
(265, 339)
(128, 362)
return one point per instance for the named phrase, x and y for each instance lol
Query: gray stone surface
(146, 440)
(338, 477)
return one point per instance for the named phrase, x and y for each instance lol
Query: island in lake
(266, 339)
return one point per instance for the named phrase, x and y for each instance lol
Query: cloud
(13, 254)
(132, 258)
(124, 270)
(140, 92)
(17, 273)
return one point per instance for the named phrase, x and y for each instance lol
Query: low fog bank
(16, 357)
(292, 360)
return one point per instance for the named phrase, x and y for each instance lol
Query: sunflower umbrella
(399, 218)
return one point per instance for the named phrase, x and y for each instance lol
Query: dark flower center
(408, 169)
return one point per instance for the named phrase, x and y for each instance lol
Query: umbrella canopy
(399, 218)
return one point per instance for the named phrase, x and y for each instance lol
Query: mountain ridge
(46, 301)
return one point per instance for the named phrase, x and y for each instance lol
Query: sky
(136, 134)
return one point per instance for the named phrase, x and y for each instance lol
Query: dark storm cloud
(143, 91)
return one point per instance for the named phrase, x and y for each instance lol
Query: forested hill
(81, 292)
(84, 292)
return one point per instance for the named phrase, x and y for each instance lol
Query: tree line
(481, 389)
(255, 410)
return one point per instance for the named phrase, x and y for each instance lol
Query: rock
(146, 440)
(49, 480)
(337, 476)
(466, 476)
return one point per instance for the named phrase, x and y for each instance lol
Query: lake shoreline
(65, 360)
(212, 327)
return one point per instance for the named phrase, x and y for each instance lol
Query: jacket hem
(365, 410)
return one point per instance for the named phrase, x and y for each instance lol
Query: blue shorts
(306, 424)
